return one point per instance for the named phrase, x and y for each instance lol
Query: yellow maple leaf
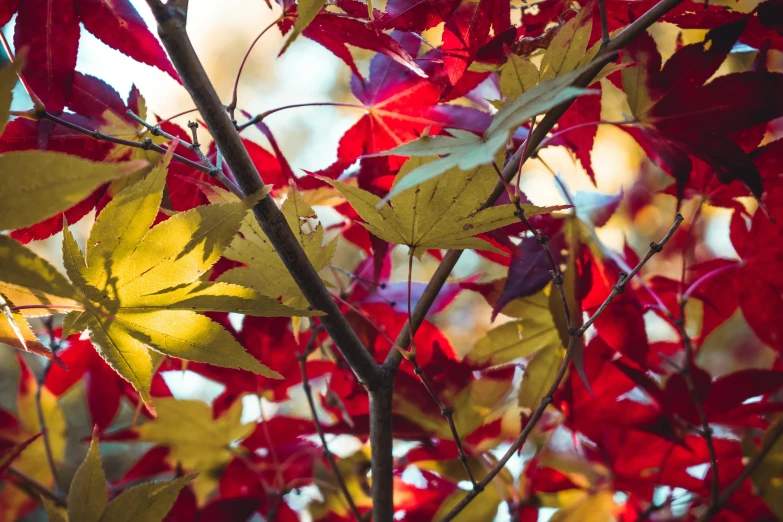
(443, 212)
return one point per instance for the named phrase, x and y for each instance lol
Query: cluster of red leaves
(633, 424)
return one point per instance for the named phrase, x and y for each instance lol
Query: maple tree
(611, 381)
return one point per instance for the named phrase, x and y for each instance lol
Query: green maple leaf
(143, 288)
(441, 213)
(88, 494)
(264, 271)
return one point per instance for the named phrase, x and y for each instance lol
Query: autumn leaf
(139, 282)
(679, 117)
(15, 332)
(196, 440)
(88, 494)
(117, 24)
(51, 48)
(8, 77)
(87, 497)
(148, 502)
(532, 331)
(135, 283)
(766, 475)
(264, 271)
(465, 150)
(539, 376)
(33, 460)
(306, 11)
(442, 213)
(30, 198)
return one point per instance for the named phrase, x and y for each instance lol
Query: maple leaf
(33, 460)
(117, 24)
(467, 30)
(679, 117)
(31, 199)
(136, 282)
(52, 46)
(400, 106)
(196, 441)
(532, 331)
(441, 213)
(264, 271)
(466, 150)
(87, 496)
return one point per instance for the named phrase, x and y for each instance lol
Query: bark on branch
(171, 28)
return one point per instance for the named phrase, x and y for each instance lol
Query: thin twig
(605, 38)
(233, 105)
(54, 346)
(260, 117)
(575, 334)
(146, 144)
(302, 358)
(173, 33)
(195, 147)
(33, 487)
(446, 412)
(725, 496)
(686, 371)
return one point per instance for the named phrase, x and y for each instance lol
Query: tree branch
(171, 28)
(147, 144)
(302, 358)
(510, 169)
(575, 334)
(754, 463)
(53, 346)
(34, 488)
(195, 147)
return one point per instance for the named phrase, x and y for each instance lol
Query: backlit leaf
(21, 267)
(534, 331)
(441, 213)
(197, 441)
(87, 496)
(8, 79)
(265, 271)
(31, 198)
(148, 502)
(539, 375)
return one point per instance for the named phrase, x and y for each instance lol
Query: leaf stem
(575, 334)
(302, 358)
(33, 487)
(146, 144)
(42, 426)
(552, 137)
(260, 117)
(233, 105)
(37, 103)
(754, 463)
(446, 412)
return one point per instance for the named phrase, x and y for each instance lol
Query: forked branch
(171, 28)
(575, 334)
(302, 358)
